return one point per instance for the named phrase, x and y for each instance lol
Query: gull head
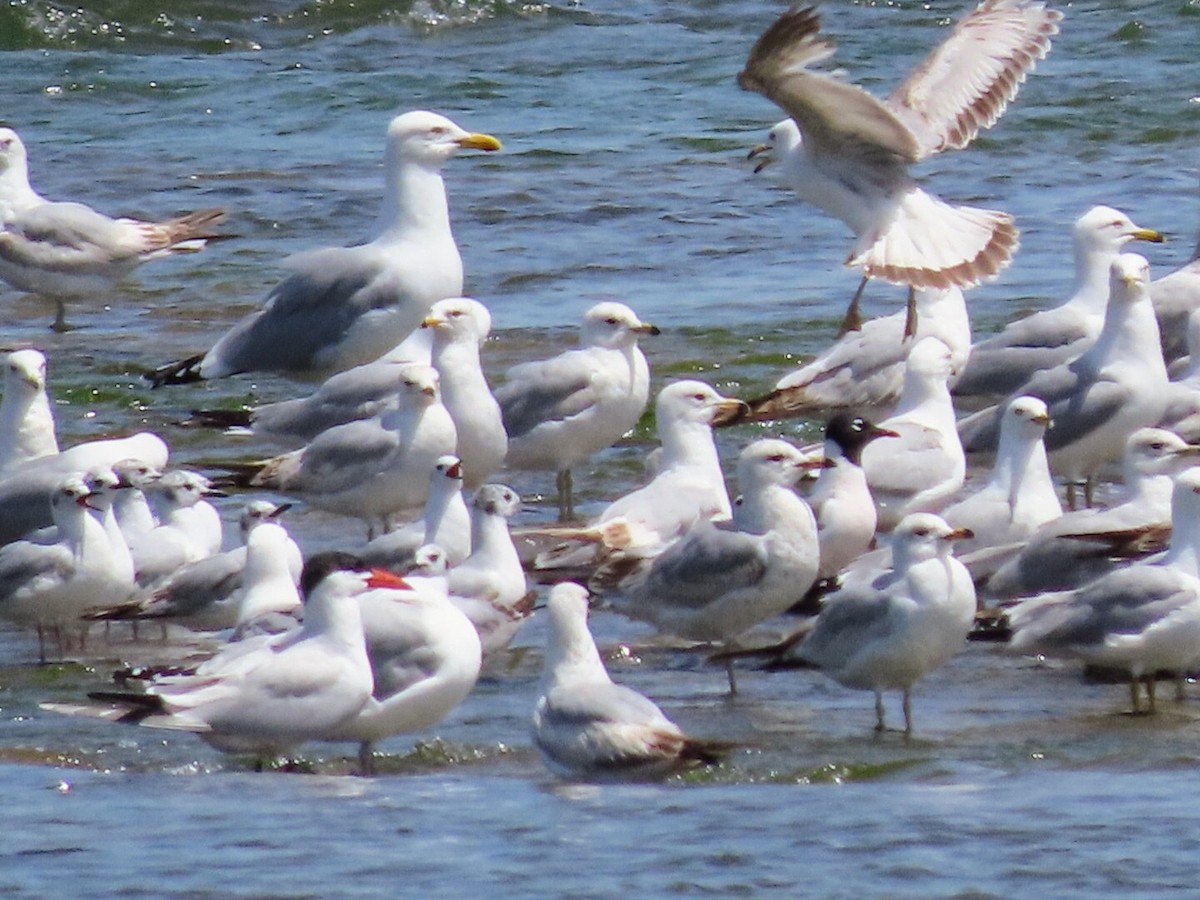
(260, 512)
(921, 536)
(1129, 279)
(612, 325)
(419, 386)
(136, 473)
(71, 493)
(184, 488)
(26, 369)
(695, 402)
(847, 434)
(1103, 229)
(12, 152)
(497, 500)
(431, 139)
(1156, 451)
(102, 484)
(1026, 418)
(429, 560)
(448, 468)
(459, 319)
(783, 142)
(773, 461)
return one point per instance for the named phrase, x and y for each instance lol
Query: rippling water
(623, 175)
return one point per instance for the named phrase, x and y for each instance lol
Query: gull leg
(1180, 681)
(1071, 494)
(1089, 487)
(729, 672)
(1150, 686)
(879, 723)
(60, 317)
(41, 633)
(366, 759)
(566, 499)
(908, 728)
(853, 319)
(910, 315)
(1135, 699)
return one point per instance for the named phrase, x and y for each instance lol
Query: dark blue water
(623, 176)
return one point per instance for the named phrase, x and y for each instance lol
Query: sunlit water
(623, 176)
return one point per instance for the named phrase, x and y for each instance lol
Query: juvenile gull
(888, 633)
(848, 153)
(715, 581)
(586, 727)
(864, 369)
(26, 416)
(1099, 399)
(345, 306)
(268, 695)
(561, 410)
(922, 468)
(1003, 362)
(1144, 618)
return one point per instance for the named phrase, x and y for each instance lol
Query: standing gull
(888, 633)
(715, 582)
(65, 250)
(345, 306)
(1003, 362)
(588, 728)
(561, 410)
(848, 153)
(1099, 399)
(445, 521)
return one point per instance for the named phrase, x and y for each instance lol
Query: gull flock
(931, 512)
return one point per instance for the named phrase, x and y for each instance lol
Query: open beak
(762, 153)
(381, 578)
(479, 142)
(455, 471)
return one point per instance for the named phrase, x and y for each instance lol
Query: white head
(696, 402)
(12, 153)
(921, 536)
(183, 488)
(783, 140)
(497, 500)
(418, 386)
(259, 512)
(447, 471)
(773, 461)
(135, 473)
(25, 372)
(1103, 229)
(459, 319)
(430, 560)
(1156, 451)
(1025, 418)
(430, 139)
(1129, 279)
(612, 325)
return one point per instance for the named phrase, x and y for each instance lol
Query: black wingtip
(218, 418)
(185, 371)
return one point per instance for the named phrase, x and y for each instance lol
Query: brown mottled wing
(969, 79)
(837, 119)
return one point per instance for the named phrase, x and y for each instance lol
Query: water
(623, 176)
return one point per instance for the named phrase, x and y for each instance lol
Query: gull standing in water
(561, 410)
(446, 522)
(269, 695)
(888, 633)
(848, 153)
(1098, 400)
(1144, 618)
(586, 727)
(1003, 362)
(345, 306)
(65, 250)
(715, 582)
(26, 416)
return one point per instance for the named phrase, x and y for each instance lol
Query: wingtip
(184, 371)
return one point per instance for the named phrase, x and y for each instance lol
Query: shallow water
(623, 175)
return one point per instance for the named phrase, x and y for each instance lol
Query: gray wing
(840, 121)
(924, 453)
(1005, 361)
(399, 650)
(357, 393)
(848, 621)
(346, 454)
(70, 237)
(704, 564)
(309, 311)
(198, 585)
(547, 391)
(580, 705)
(969, 79)
(23, 563)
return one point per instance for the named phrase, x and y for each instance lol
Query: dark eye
(776, 457)
(1158, 445)
(921, 532)
(612, 320)
(438, 129)
(699, 397)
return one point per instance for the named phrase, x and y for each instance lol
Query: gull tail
(184, 371)
(927, 243)
(776, 657)
(781, 403)
(184, 234)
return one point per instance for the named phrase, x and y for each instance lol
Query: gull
(489, 586)
(847, 153)
(460, 326)
(230, 589)
(888, 633)
(1019, 495)
(446, 522)
(924, 466)
(26, 415)
(561, 410)
(25, 492)
(1078, 547)
(103, 484)
(841, 498)
(714, 582)
(51, 584)
(65, 250)
(688, 487)
(1182, 413)
(1144, 618)
(1003, 362)
(864, 369)
(425, 658)
(345, 306)
(585, 727)
(1099, 399)
(188, 528)
(376, 469)
(269, 695)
